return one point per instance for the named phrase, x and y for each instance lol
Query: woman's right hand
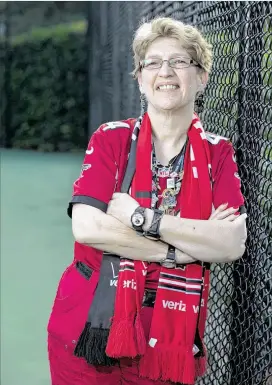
(224, 213)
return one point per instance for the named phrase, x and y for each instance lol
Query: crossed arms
(220, 239)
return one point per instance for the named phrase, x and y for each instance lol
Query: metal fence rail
(237, 104)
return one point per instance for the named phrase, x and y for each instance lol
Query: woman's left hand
(121, 207)
(225, 214)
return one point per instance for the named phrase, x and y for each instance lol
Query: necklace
(174, 174)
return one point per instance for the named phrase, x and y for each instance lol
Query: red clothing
(66, 369)
(102, 173)
(105, 161)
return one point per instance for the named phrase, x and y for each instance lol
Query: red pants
(66, 369)
(67, 320)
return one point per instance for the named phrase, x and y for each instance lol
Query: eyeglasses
(177, 62)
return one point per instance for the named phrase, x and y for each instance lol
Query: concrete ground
(36, 246)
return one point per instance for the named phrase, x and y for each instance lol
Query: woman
(132, 306)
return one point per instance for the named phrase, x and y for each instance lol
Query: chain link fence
(113, 94)
(237, 104)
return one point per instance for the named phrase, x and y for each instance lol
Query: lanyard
(174, 179)
(167, 169)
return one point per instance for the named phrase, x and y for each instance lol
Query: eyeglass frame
(168, 61)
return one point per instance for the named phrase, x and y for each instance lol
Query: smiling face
(169, 88)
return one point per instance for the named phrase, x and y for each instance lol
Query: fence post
(115, 62)
(89, 64)
(7, 137)
(95, 81)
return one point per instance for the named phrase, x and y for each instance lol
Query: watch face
(138, 219)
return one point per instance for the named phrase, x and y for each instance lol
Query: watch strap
(154, 229)
(170, 260)
(171, 253)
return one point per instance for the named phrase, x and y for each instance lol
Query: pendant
(170, 183)
(168, 192)
(169, 198)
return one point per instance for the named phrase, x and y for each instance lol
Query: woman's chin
(167, 103)
(167, 106)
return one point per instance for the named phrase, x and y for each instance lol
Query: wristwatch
(170, 261)
(153, 233)
(138, 219)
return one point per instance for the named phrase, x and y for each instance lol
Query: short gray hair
(190, 39)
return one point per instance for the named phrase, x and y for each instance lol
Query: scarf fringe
(122, 339)
(189, 373)
(201, 356)
(163, 363)
(91, 346)
(140, 335)
(201, 366)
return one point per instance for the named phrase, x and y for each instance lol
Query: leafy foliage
(48, 95)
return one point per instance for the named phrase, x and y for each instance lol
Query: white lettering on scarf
(196, 308)
(129, 284)
(171, 305)
(180, 306)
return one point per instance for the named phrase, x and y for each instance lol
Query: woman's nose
(165, 70)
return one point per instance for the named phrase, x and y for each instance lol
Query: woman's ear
(204, 76)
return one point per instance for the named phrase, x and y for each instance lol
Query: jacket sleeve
(97, 180)
(227, 182)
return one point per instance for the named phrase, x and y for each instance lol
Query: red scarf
(168, 354)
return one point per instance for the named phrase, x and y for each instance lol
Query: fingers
(232, 217)
(241, 218)
(222, 213)
(218, 210)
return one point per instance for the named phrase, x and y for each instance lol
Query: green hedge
(48, 95)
